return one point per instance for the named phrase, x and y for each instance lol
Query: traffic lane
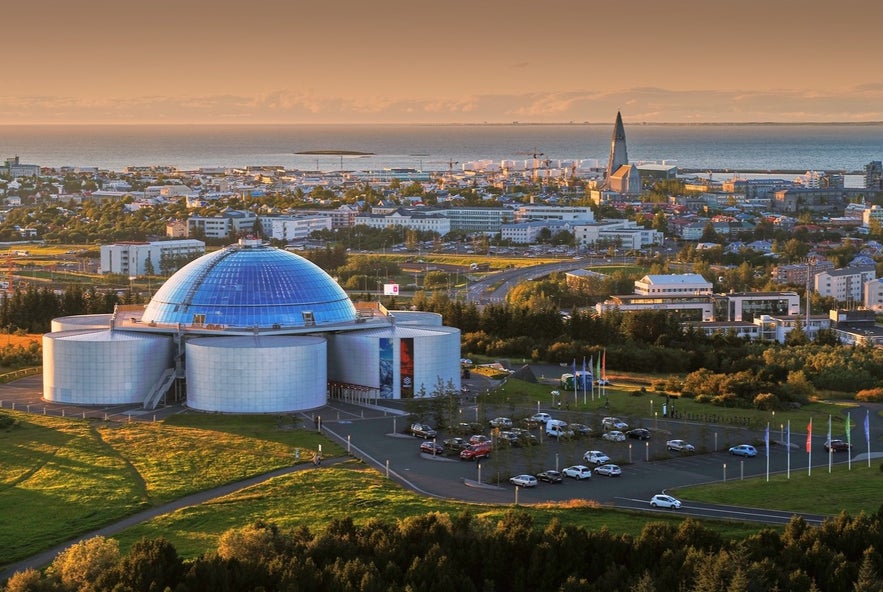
(719, 512)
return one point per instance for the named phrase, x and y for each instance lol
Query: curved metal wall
(256, 374)
(103, 367)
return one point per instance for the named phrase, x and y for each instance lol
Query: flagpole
(830, 448)
(766, 441)
(788, 444)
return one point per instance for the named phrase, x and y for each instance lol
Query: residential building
(625, 233)
(872, 297)
(874, 175)
(410, 219)
(223, 226)
(134, 259)
(292, 228)
(846, 284)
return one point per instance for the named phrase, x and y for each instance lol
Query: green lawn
(853, 491)
(62, 477)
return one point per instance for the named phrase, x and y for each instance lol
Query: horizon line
(440, 124)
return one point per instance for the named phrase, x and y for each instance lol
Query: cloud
(639, 104)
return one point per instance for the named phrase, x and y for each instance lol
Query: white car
(614, 436)
(614, 423)
(745, 450)
(661, 500)
(577, 472)
(609, 470)
(539, 418)
(523, 480)
(680, 446)
(596, 457)
(501, 422)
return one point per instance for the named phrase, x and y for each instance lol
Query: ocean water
(732, 148)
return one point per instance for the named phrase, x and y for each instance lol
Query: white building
(411, 220)
(530, 213)
(130, 259)
(626, 233)
(846, 284)
(685, 284)
(873, 294)
(292, 228)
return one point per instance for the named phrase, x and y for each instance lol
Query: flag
(868, 427)
(766, 439)
(809, 436)
(604, 364)
(848, 430)
(584, 373)
(829, 431)
(788, 435)
(598, 368)
(591, 364)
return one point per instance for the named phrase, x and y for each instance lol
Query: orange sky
(390, 61)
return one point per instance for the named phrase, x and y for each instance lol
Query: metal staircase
(160, 388)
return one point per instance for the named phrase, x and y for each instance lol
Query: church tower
(618, 154)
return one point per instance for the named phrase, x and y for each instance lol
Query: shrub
(872, 395)
(766, 402)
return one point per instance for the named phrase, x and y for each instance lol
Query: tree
(81, 564)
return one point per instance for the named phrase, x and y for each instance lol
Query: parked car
(478, 439)
(432, 448)
(745, 450)
(609, 470)
(525, 438)
(476, 451)
(421, 430)
(538, 419)
(580, 429)
(550, 476)
(523, 480)
(501, 422)
(510, 438)
(614, 436)
(661, 500)
(578, 472)
(639, 434)
(556, 428)
(455, 444)
(837, 446)
(680, 446)
(596, 457)
(614, 423)
(602, 382)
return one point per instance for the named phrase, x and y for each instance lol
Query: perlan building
(248, 329)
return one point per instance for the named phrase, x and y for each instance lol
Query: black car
(550, 476)
(837, 446)
(638, 434)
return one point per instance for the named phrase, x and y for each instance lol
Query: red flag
(809, 436)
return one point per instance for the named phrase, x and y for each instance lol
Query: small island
(336, 152)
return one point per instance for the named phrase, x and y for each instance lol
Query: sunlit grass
(853, 491)
(314, 498)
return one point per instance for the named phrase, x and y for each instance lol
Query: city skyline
(273, 61)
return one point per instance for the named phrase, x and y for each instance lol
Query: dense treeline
(655, 341)
(437, 552)
(33, 309)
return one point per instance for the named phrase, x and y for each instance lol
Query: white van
(557, 428)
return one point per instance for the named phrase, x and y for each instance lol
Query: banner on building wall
(386, 373)
(406, 366)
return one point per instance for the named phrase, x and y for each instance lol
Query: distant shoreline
(462, 124)
(335, 153)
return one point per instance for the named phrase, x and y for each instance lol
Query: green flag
(848, 430)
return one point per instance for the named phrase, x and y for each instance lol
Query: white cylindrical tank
(81, 322)
(402, 361)
(256, 374)
(103, 367)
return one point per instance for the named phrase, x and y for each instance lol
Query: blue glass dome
(250, 285)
